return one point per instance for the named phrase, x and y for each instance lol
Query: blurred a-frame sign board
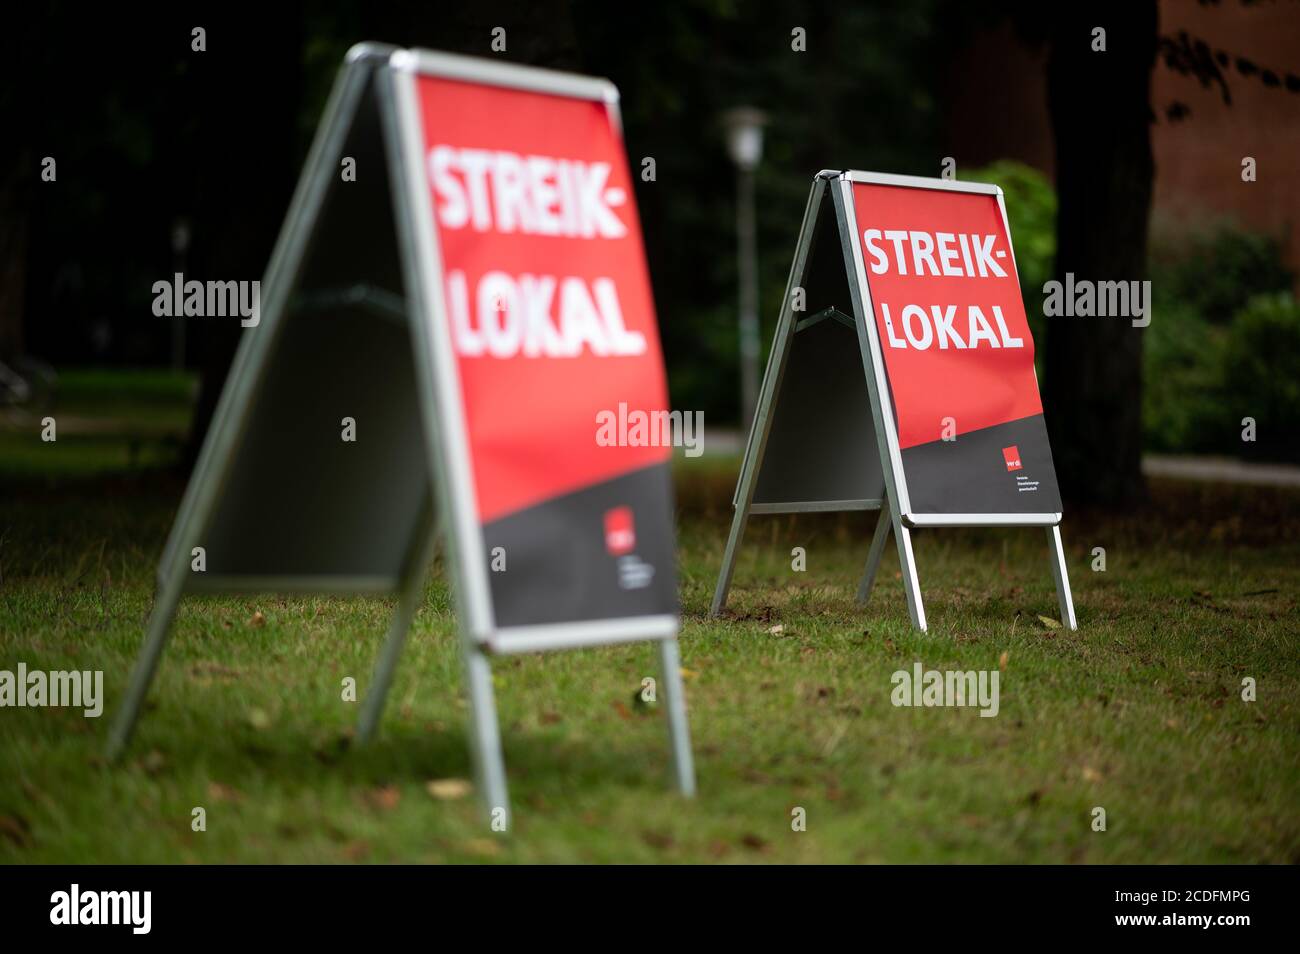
(394, 304)
(901, 377)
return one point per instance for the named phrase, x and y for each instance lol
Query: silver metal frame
(896, 511)
(230, 418)
(394, 73)
(817, 506)
(743, 499)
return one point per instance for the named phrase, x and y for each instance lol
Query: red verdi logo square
(1012, 456)
(620, 531)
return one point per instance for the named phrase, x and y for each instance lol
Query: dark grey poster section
(342, 349)
(940, 474)
(540, 587)
(821, 449)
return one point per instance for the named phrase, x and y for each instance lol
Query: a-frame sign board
(901, 377)
(468, 301)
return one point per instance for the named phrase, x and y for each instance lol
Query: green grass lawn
(106, 422)
(1139, 712)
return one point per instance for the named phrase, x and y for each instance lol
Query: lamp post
(744, 127)
(180, 246)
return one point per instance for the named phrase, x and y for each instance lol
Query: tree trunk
(14, 180)
(19, 173)
(1100, 104)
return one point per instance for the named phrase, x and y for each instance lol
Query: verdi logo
(620, 531)
(77, 907)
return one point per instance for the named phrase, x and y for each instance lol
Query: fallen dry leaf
(213, 670)
(448, 789)
(754, 842)
(485, 847)
(1002, 662)
(384, 799)
(223, 793)
(1049, 622)
(153, 762)
(258, 619)
(16, 829)
(657, 840)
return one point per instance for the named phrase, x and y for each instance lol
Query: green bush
(1217, 349)
(1217, 272)
(1201, 379)
(1259, 373)
(1182, 409)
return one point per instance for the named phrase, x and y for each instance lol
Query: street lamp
(180, 246)
(744, 128)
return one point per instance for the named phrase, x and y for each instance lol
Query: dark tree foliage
(1193, 56)
(147, 132)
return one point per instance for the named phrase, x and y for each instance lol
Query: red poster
(552, 322)
(959, 356)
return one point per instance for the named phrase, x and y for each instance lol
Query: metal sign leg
(756, 445)
(485, 739)
(878, 541)
(230, 418)
(1062, 576)
(373, 708)
(911, 581)
(160, 621)
(679, 738)
(729, 557)
(408, 601)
